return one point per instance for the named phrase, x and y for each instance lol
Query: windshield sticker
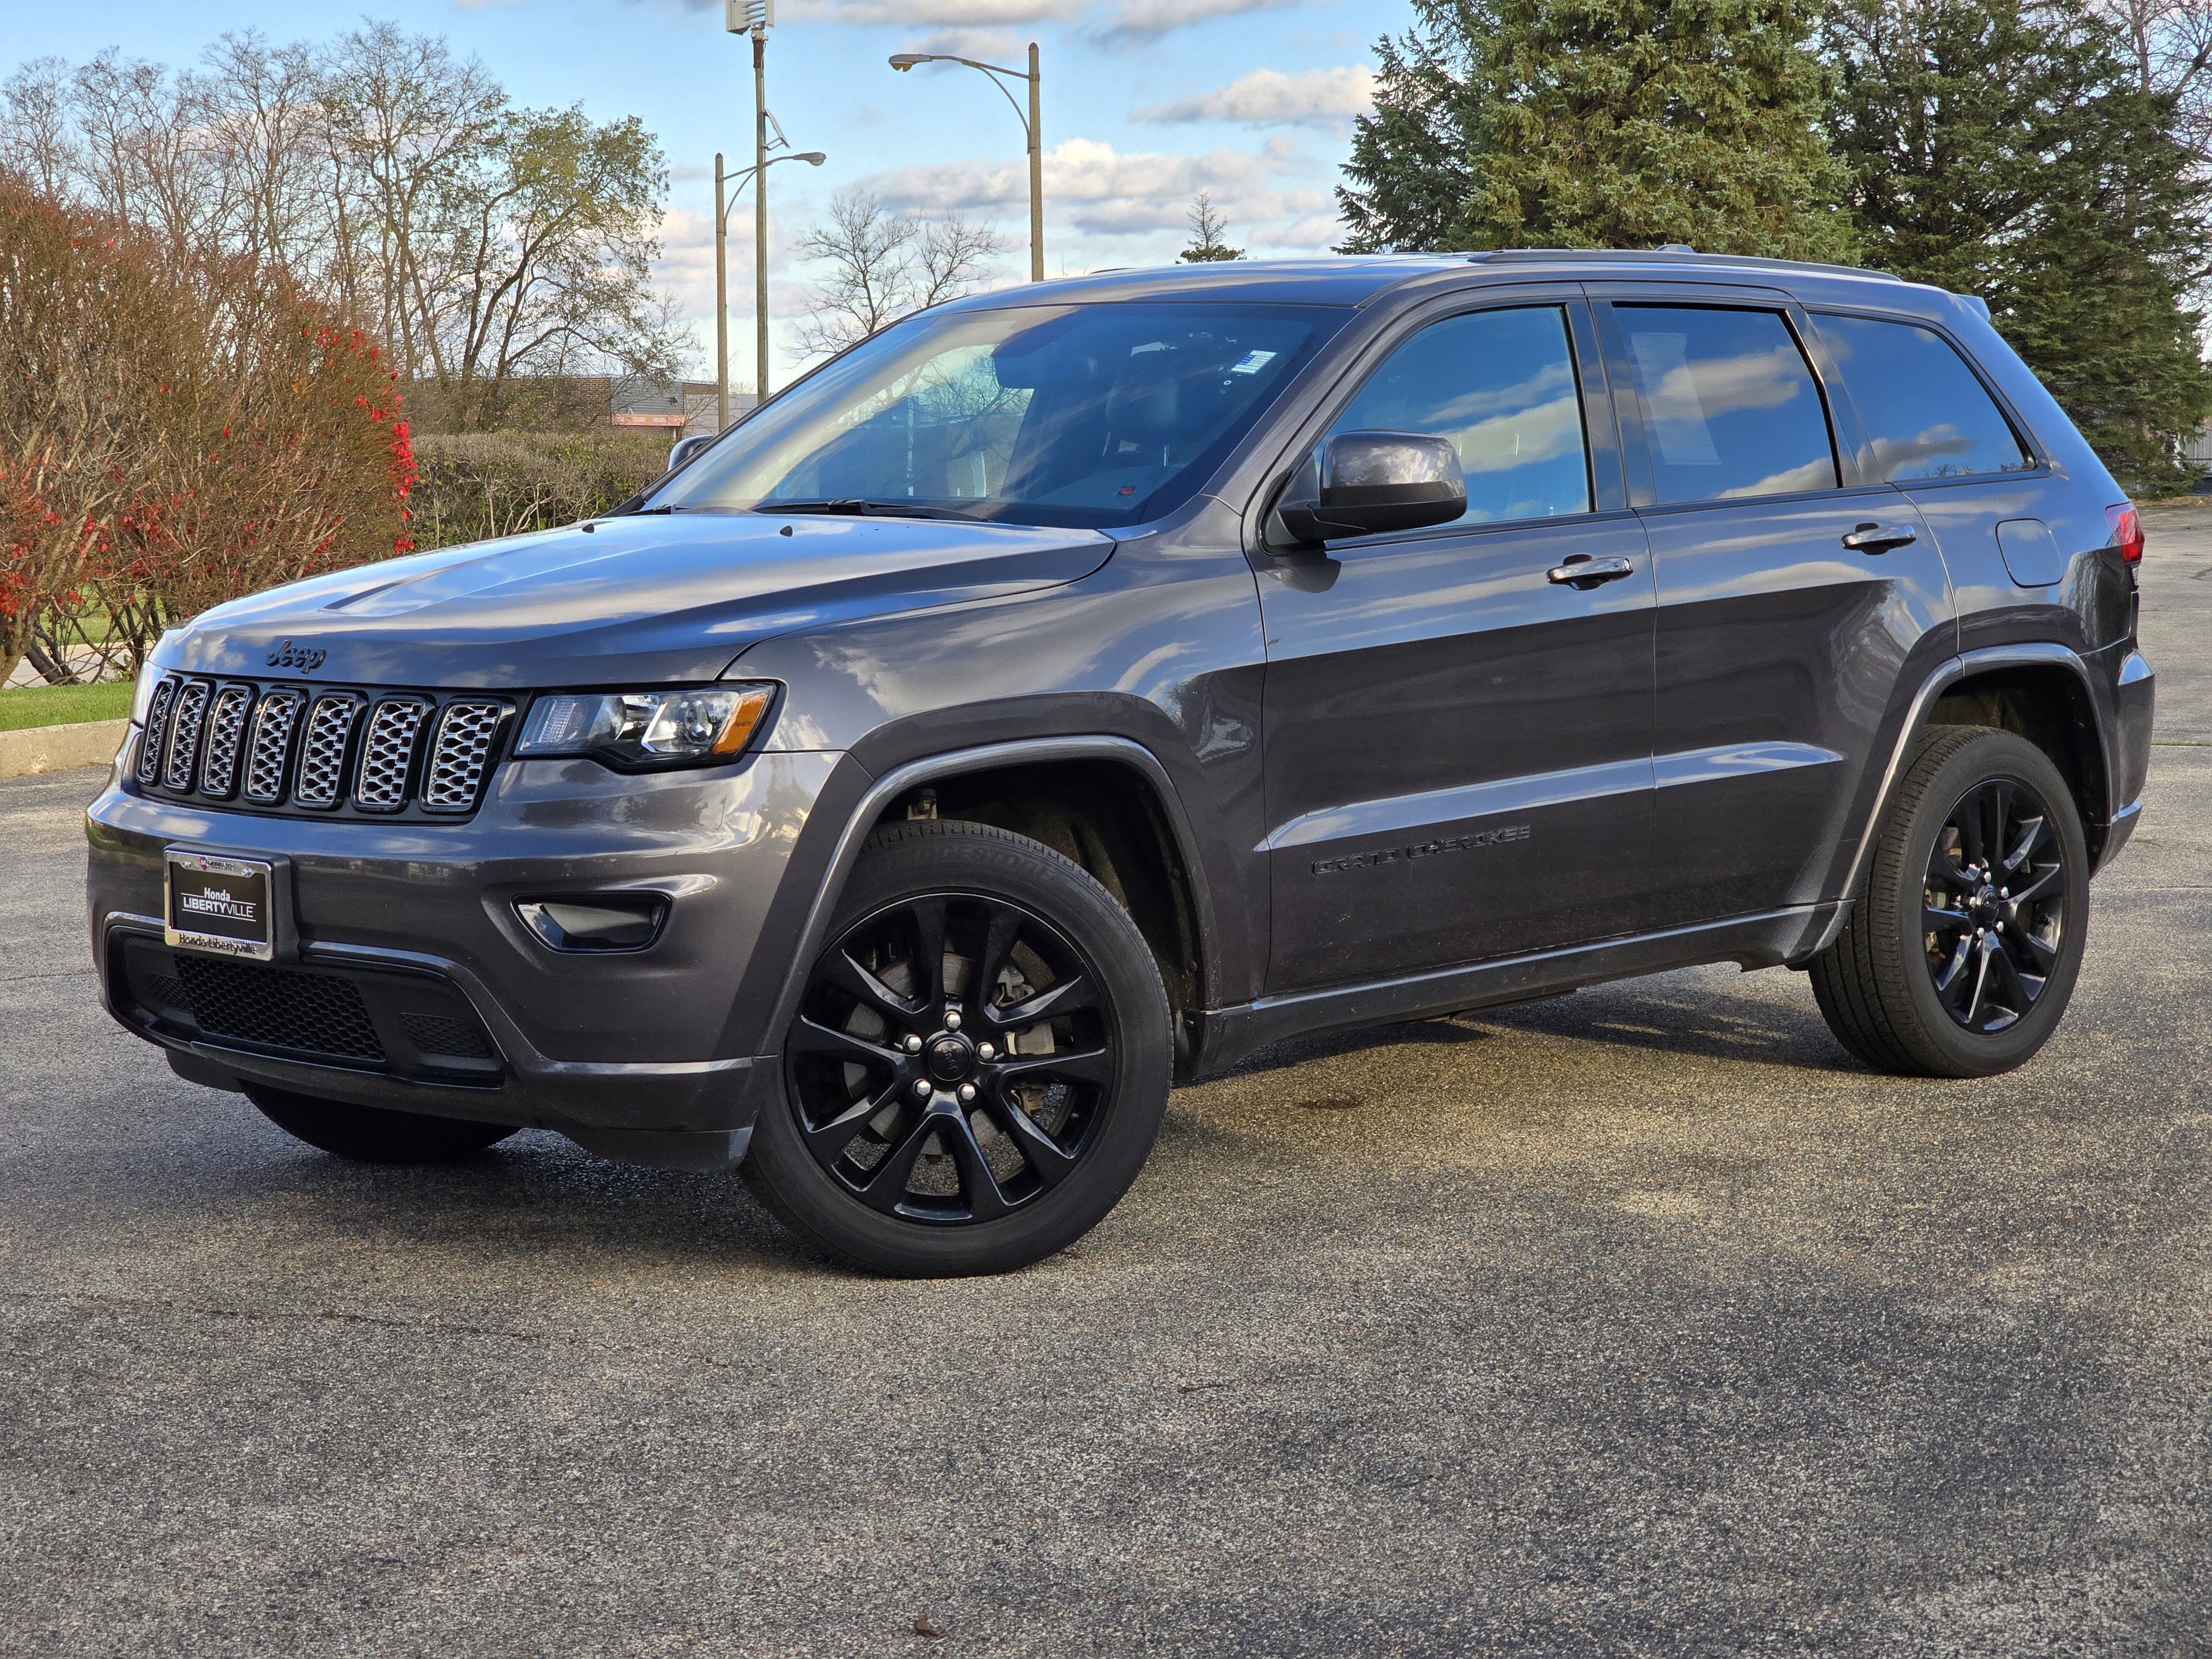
(1252, 362)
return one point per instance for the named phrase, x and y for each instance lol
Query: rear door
(1792, 594)
(1458, 740)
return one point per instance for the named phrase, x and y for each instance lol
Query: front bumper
(665, 1042)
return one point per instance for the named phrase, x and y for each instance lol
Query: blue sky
(1146, 102)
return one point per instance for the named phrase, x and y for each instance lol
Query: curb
(58, 748)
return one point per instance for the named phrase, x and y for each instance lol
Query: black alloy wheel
(1995, 905)
(950, 1057)
(1966, 931)
(978, 1062)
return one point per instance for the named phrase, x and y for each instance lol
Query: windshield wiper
(858, 507)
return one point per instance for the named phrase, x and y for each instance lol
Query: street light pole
(721, 307)
(1032, 124)
(1036, 168)
(813, 158)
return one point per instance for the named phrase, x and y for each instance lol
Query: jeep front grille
(274, 723)
(466, 731)
(322, 760)
(387, 755)
(283, 748)
(157, 729)
(226, 731)
(184, 735)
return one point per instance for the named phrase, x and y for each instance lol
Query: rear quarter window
(1927, 414)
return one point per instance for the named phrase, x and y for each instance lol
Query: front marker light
(642, 730)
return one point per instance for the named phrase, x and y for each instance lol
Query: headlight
(642, 731)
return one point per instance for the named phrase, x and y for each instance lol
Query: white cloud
(1269, 97)
(1001, 46)
(1105, 206)
(1147, 19)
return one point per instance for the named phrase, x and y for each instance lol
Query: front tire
(979, 1064)
(1966, 932)
(372, 1134)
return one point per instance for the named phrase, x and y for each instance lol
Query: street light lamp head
(813, 158)
(907, 60)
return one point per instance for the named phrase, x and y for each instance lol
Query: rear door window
(1927, 414)
(1501, 386)
(1730, 407)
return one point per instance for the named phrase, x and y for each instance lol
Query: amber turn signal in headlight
(641, 731)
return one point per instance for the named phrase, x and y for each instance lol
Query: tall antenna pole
(761, 15)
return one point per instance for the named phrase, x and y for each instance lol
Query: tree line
(480, 240)
(2054, 158)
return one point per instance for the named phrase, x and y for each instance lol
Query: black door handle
(1871, 537)
(1582, 572)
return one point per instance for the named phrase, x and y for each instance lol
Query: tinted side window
(1928, 415)
(1501, 386)
(1730, 407)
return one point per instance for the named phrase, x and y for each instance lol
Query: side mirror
(686, 448)
(1363, 483)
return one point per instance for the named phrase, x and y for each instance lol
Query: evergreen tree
(2014, 154)
(1598, 123)
(1206, 228)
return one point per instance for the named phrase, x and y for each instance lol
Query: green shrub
(473, 486)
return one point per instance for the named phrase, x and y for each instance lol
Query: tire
(973, 1109)
(372, 1134)
(1935, 974)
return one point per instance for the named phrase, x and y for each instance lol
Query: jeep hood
(634, 600)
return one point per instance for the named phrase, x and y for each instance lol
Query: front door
(1458, 726)
(1792, 599)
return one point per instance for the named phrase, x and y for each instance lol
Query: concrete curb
(58, 748)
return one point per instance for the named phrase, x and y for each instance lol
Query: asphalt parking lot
(1638, 1323)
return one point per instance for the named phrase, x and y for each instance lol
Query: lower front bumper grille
(411, 1025)
(277, 1008)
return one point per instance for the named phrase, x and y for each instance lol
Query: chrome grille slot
(455, 775)
(388, 754)
(184, 735)
(226, 733)
(323, 753)
(273, 724)
(157, 729)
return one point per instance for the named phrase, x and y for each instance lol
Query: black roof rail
(1674, 253)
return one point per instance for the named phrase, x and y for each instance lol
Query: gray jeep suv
(1079, 687)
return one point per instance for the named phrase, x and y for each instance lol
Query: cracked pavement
(1641, 1321)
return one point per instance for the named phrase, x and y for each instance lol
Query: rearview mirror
(1364, 484)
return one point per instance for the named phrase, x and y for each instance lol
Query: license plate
(219, 904)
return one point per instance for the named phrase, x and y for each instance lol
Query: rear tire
(373, 1134)
(979, 1065)
(1967, 931)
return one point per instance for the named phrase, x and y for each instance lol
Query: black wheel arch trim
(2043, 654)
(899, 780)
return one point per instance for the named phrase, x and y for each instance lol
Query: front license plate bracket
(225, 904)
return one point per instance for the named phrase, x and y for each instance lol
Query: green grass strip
(63, 705)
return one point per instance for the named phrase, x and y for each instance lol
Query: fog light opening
(595, 922)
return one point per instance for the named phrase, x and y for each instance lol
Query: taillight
(2127, 532)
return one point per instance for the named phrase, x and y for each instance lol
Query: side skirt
(1227, 1035)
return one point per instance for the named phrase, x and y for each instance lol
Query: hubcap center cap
(1985, 900)
(950, 1058)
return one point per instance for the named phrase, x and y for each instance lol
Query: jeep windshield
(1086, 415)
